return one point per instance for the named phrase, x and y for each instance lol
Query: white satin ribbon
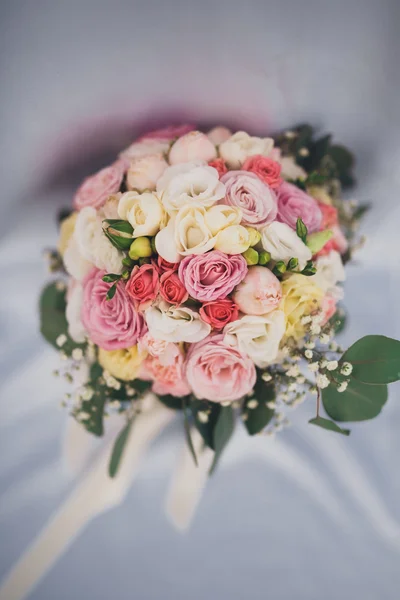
(95, 494)
(188, 482)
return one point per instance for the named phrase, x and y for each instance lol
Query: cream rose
(283, 243)
(143, 211)
(145, 147)
(330, 271)
(175, 324)
(93, 245)
(145, 171)
(257, 336)
(194, 145)
(73, 312)
(234, 239)
(221, 216)
(191, 183)
(75, 264)
(241, 145)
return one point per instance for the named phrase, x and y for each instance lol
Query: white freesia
(145, 148)
(283, 243)
(175, 324)
(220, 216)
(257, 336)
(93, 244)
(191, 183)
(330, 271)
(234, 239)
(241, 145)
(75, 264)
(143, 211)
(192, 234)
(73, 313)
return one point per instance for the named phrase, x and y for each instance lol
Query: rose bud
(140, 248)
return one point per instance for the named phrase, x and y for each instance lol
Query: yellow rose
(301, 297)
(122, 364)
(66, 231)
(319, 193)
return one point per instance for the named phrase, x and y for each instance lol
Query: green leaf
(292, 264)
(344, 162)
(187, 430)
(361, 210)
(315, 178)
(119, 225)
(359, 402)
(328, 424)
(172, 402)
(301, 230)
(375, 359)
(213, 411)
(118, 449)
(222, 433)
(258, 418)
(111, 292)
(110, 277)
(338, 321)
(53, 322)
(309, 269)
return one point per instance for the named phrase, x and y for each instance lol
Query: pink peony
(246, 191)
(111, 324)
(259, 293)
(168, 377)
(96, 189)
(143, 286)
(213, 275)
(268, 170)
(217, 372)
(144, 172)
(167, 133)
(190, 147)
(293, 203)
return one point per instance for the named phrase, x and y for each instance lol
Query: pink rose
(330, 220)
(293, 203)
(266, 169)
(96, 189)
(219, 165)
(168, 377)
(111, 324)
(219, 313)
(172, 289)
(217, 372)
(213, 275)
(167, 133)
(328, 308)
(143, 286)
(246, 191)
(163, 265)
(259, 293)
(145, 171)
(191, 147)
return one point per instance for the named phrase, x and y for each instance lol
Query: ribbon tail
(188, 482)
(95, 494)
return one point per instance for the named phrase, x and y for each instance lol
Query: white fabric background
(307, 515)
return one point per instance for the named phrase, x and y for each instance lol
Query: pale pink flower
(259, 293)
(191, 147)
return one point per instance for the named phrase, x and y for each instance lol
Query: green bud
(251, 256)
(255, 236)
(292, 264)
(316, 241)
(301, 230)
(111, 277)
(127, 262)
(125, 274)
(140, 248)
(279, 268)
(119, 233)
(264, 258)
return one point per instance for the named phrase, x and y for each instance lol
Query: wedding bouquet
(206, 269)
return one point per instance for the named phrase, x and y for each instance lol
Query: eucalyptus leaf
(187, 431)
(222, 433)
(359, 402)
(206, 429)
(118, 449)
(256, 419)
(170, 401)
(375, 359)
(329, 425)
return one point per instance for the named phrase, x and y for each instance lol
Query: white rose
(257, 336)
(73, 313)
(241, 145)
(92, 243)
(219, 135)
(192, 234)
(145, 171)
(220, 216)
(234, 239)
(194, 145)
(145, 148)
(189, 183)
(330, 271)
(143, 211)
(283, 243)
(175, 324)
(75, 264)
